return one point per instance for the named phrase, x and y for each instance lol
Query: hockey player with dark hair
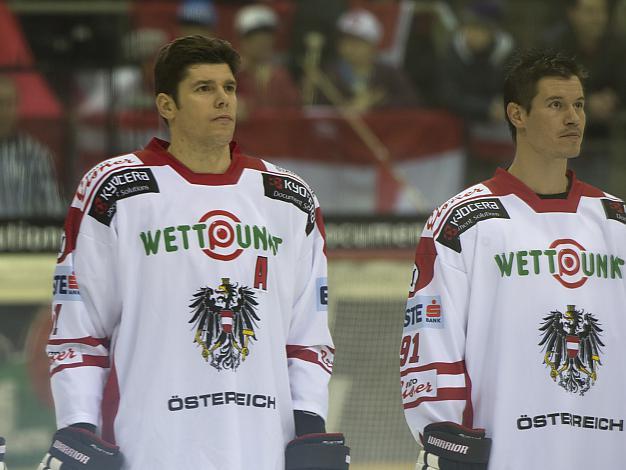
(190, 298)
(514, 330)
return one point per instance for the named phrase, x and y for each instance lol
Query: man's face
(589, 18)
(207, 105)
(477, 37)
(555, 124)
(258, 46)
(8, 106)
(356, 51)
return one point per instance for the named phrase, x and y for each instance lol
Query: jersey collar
(156, 154)
(504, 183)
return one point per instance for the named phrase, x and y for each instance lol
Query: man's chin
(221, 138)
(572, 156)
(572, 153)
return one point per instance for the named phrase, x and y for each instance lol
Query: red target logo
(569, 270)
(221, 236)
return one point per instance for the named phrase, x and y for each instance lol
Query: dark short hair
(526, 68)
(175, 57)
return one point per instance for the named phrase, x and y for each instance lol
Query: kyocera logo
(219, 234)
(565, 259)
(288, 184)
(89, 178)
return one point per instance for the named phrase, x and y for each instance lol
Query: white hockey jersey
(190, 311)
(516, 323)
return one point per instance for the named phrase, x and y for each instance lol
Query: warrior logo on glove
(225, 319)
(573, 346)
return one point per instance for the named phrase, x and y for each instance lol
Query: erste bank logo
(423, 311)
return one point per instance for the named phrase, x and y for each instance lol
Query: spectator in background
(361, 78)
(313, 18)
(262, 81)
(587, 34)
(132, 83)
(423, 33)
(471, 84)
(473, 68)
(197, 17)
(116, 113)
(28, 187)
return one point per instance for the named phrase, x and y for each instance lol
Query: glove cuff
(453, 442)
(319, 451)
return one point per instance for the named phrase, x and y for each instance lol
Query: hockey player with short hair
(190, 298)
(514, 330)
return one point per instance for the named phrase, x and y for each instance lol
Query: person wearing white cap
(263, 80)
(363, 80)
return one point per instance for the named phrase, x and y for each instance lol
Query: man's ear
(166, 106)
(516, 114)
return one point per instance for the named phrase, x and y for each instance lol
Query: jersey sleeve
(310, 351)
(86, 309)
(435, 385)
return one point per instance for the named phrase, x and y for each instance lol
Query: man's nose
(221, 100)
(572, 116)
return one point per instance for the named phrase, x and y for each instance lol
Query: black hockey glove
(74, 448)
(448, 446)
(322, 451)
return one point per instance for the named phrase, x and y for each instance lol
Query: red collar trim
(156, 154)
(504, 183)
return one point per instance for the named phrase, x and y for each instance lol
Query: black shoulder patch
(614, 210)
(120, 185)
(289, 190)
(465, 216)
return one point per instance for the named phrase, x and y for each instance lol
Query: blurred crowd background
(386, 107)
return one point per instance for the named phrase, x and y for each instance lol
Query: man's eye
(580, 105)
(555, 104)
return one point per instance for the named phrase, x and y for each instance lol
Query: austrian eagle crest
(224, 320)
(572, 346)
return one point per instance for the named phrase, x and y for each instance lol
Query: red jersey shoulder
(279, 171)
(93, 178)
(440, 214)
(614, 208)
(111, 181)
(120, 184)
(286, 187)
